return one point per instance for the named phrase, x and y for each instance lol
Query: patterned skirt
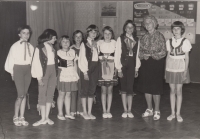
(107, 83)
(107, 76)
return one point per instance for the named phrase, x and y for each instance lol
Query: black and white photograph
(98, 69)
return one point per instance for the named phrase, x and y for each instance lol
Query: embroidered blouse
(152, 45)
(176, 57)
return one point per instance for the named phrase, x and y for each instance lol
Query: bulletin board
(167, 13)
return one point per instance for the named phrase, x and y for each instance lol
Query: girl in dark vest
(88, 64)
(44, 68)
(177, 63)
(67, 77)
(76, 106)
(127, 63)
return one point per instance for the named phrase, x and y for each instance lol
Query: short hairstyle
(178, 24)
(91, 28)
(153, 19)
(47, 35)
(129, 22)
(109, 29)
(22, 27)
(63, 37)
(74, 34)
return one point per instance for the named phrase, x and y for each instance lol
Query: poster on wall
(108, 9)
(166, 13)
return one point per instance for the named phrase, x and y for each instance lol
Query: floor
(115, 128)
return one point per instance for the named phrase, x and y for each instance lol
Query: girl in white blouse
(177, 67)
(18, 65)
(88, 64)
(67, 77)
(45, 69)
(127, 63)
(107, 69)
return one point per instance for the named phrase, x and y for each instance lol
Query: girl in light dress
(67, 77)
(107, 77)
(177, 63)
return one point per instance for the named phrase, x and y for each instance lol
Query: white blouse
(118, 53)
(186, 47)
(50, 54)
(106, 47)
(177, 63)
(36, 69)
(16, 55)
(83, 63)
(69, 55)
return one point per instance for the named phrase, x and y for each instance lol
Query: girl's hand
(136, 74)
(40, 82)
(120, 74)
(86, 77)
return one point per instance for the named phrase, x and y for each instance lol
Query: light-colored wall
(87, 13)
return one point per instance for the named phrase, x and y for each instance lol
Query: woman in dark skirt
(152, 55)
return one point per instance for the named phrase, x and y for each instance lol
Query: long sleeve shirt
(36, 70)
(83, 62)
(152, 45)
(118, 53)
(17, 55)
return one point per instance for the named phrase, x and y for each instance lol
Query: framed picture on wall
(108, 9)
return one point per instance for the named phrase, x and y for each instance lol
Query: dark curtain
(12, 15)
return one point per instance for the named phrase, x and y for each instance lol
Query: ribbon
(130, 44)
(26, 44)
(105, 64)
(93, 45)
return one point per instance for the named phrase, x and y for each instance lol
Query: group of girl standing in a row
(76, 70)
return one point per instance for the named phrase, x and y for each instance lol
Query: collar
(129, 36)
(74, 46)
(21, 40)
(89, 40)
(47, 44)
(153, 32)
(173, 38)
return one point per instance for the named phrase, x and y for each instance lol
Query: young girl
(106, 57)
(76, 107)
(44, 68)
(88, 64)
(18, 65)
(68, 77)
(127, 63)
(177, 67)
